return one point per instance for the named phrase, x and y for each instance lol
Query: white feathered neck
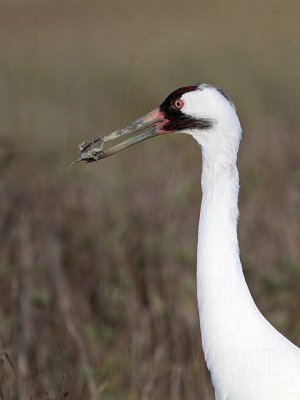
(247, 357)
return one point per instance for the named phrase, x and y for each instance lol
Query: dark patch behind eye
(177, 119)
(182, 122)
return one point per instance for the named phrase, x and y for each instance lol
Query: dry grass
(97, 264)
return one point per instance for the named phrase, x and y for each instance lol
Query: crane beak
(150, 124)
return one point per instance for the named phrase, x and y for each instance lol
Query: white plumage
(247, 357)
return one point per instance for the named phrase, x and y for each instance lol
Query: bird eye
(178, 104)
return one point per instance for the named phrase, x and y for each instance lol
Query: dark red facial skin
(168, 105)
(175, 120)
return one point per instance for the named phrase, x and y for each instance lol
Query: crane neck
(218, 248)
(224, 299)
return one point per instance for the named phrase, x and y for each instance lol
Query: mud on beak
(150, 124)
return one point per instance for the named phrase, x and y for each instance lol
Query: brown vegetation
(97, 263)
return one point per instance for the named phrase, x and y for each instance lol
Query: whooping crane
(247, 357)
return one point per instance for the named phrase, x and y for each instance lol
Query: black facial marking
(177, 119)
(181, 121)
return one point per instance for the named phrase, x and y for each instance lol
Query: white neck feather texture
(248, 359)
(223, 295)
(241, 348)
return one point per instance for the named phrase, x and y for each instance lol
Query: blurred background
(97, 263)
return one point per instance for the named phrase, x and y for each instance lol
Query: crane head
(194, 110)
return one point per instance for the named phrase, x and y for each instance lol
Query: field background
(97, 263)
